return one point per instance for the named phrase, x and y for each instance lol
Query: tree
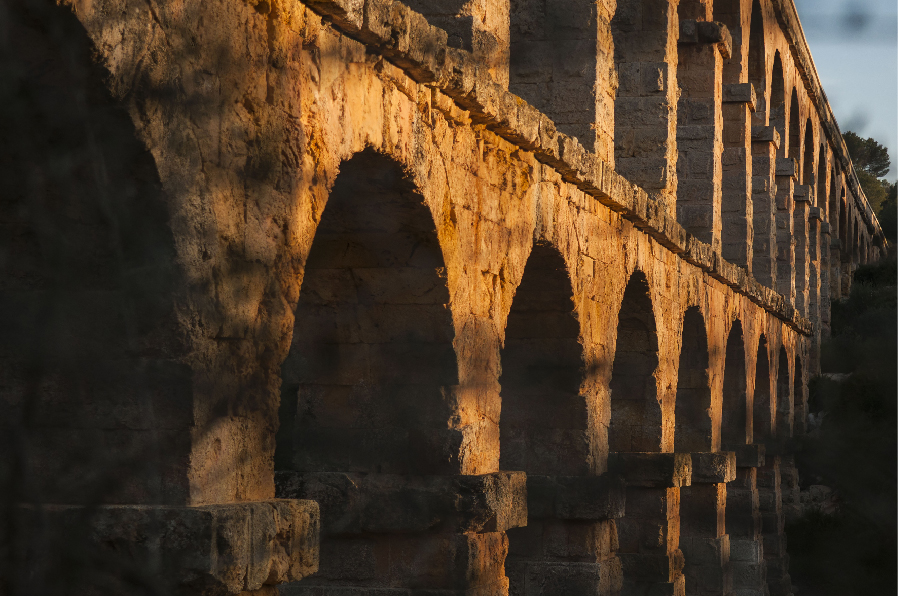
(868, 155)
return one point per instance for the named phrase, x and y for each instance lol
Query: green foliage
(875, 189)
(868, 155)
(854, 451)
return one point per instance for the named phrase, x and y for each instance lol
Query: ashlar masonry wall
(381, 252)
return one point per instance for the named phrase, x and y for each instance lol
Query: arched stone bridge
(436, 297)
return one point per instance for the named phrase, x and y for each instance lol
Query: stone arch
(820, 197)
(762, 422)
(371, 366)
(833, 211)
(734, 427)
(783, 388)
(543, 425)
(794, 403)
(793, 146)
(778, 101)
(693, 402)
(635, 409)
(552, 62)
(843, 225)
(757, 60)
(807, 168)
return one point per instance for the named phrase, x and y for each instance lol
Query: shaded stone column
(649, 534)
(559, 62)
(702, 48)
(570, 542)
(786, 173)
(816, 283)
(825, 279)
(383, 532)
(737, 207)
(703, 538)
(773, 523)
(802, 200)
(645, 146)
(835, 267)
(743, 523)
(479, 26)
(765, 141)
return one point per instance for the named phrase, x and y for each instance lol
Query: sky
(855, 48)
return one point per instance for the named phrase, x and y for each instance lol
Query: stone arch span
(371, 364)
(734, 429)
(783, 387)
(693, 403)
(544, 422)
(762, 423)
(636, 416)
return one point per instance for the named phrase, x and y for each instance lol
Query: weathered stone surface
(646, 469)
(229, 548)
(371, 503)
(296, 236)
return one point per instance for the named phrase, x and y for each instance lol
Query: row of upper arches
(371, 381)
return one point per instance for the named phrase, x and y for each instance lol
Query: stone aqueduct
(457, 297)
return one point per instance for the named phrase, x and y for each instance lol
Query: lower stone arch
(544, 431)
(693, 406)
(371, 361)
(635, 408)
(762, 422)
(783, 388)
(734, 430)
(367, 402)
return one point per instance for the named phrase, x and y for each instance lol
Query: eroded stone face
(394, 278)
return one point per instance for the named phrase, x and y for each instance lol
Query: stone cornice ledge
(406, 39)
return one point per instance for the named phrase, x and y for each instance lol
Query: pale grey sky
(855, 48)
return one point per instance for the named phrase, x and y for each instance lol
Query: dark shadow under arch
(733, 430)
(792, 406)
(543, 427)
(807, 171)
(693, 406)
(783, 387)
(365, 386)
(762, 424)
(794, 144)
(635, 408)
(756, 56)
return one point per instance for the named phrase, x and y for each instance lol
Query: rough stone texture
(328, 239)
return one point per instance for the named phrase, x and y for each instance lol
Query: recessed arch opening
(807, 170)
(734, 430)
(371, 366)
(783, 388)
(552, 62)
(757, 67)
(543, 425)
(762, 425)
(693, 431)
(794, 143)
(635, 408)
(778, 101)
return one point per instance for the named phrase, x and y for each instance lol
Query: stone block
(649, 469)
(787, 167)
(576, 498)
(713, 467)
(741, 93)
(748, 455)
(225, 548)
(353, 503)
(574, 578)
